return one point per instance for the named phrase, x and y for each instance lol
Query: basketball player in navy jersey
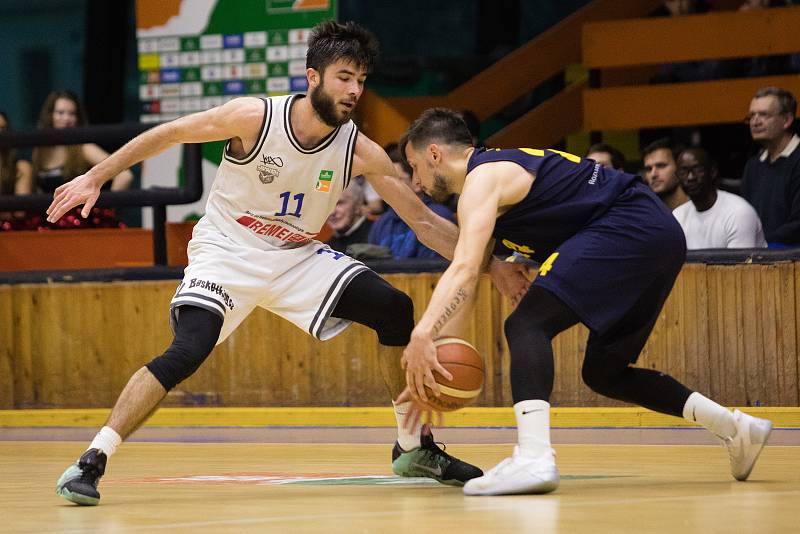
(609, 253)
(286, 163)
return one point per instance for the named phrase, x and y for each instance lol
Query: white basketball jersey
(280, 194)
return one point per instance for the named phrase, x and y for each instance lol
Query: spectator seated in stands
(374, 202)
(348, 219)
(607, 156)
(771, 178)
(56, 165)
(713, 218)
(392, 232)
(659, 172)
(16, 178)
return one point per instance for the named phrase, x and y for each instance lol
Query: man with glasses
(771, 179)
(713, 218)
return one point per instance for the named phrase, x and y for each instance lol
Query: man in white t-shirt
(713, 218)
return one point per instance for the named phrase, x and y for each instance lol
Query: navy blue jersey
(567, 194)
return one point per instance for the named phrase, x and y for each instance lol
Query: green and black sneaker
(78, 484)
(430, 461)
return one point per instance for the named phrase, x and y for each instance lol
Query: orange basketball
(466, 366)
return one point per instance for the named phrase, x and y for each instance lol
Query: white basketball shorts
(302, 285)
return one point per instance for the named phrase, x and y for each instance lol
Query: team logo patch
(324, 181)
(269, 168)
(267, 174)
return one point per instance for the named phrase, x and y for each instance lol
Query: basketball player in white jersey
(285, 165)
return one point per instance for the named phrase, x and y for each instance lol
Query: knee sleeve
(372, 301)
(196, 333)
(393, 319)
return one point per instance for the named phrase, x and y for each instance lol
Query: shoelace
(89, 474)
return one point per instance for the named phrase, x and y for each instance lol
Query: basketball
(466, 366)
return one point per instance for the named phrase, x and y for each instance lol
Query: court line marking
(549, 502)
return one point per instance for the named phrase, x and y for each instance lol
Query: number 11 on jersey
(285, 196)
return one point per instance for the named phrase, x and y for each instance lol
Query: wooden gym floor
(238, 479)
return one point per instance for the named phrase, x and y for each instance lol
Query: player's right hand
(419, 361)
(80, 190)
(511, 279)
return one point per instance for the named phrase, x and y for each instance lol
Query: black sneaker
(78, 484)
(430, 461)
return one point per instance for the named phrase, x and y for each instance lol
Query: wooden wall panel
(6, 348)
(21, 348)
(690, 38)
(631, 107)
(782, 371)
(729, 332)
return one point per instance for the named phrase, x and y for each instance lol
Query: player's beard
(325, 108)
(439, 192)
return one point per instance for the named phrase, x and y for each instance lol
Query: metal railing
(156, 197)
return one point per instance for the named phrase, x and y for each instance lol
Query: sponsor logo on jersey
(595, 172)
(522, 250)
(324, 181)
(275, 229)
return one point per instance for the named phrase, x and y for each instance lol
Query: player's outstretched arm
(238, 118)
(455, 292)
(433, 231)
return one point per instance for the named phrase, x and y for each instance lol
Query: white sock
(107, 440)
(406, 439)
(533, 426)
(704, 411)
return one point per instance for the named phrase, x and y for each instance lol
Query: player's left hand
(419, 360)
(510, 279)
(83, 189)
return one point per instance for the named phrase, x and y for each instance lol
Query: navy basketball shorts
(625, 260)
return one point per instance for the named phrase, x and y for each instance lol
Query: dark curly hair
(331, 41)
(439, 125)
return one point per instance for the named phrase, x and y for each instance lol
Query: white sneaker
(518, 474)
(752, 434)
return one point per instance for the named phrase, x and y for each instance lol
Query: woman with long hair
(56, 165)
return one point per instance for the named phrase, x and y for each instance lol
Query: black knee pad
(394, 319)
(176, 364)
(196, 333)
(372, 301)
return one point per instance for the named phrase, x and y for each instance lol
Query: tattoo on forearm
(450, 309)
